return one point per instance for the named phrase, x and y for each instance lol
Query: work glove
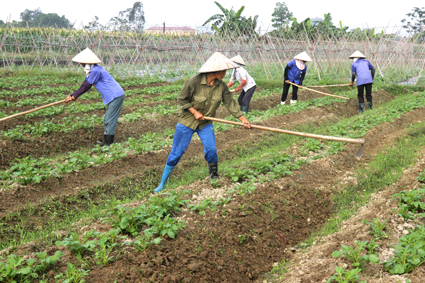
(246, 123)
(229, 84)
(69, 98)
(287, 81)
(238, 88)
(351, 84)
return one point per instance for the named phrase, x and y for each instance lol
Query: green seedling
(409, 253)
(377, 228)
(346, 276)
(142, 243)
(410, 203)
(73, 275)
(354, 254)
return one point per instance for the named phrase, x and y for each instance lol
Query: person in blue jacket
(295, 73)
(111, 92)
(365, 73)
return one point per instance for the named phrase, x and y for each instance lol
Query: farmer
(295, 72)
(111, 92)
(246, 82)
(365, 73)
(202, 95)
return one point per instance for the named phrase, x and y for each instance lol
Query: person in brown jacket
(202, 95)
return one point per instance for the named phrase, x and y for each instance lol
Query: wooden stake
(29, 111)
(319, 91)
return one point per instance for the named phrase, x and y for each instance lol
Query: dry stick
(32, 110)
(320, 91)
(312, 53)
(315, 136)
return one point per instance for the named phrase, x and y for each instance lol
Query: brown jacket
(197, 93)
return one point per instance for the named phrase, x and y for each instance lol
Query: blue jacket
(108, 88)
(293, 74)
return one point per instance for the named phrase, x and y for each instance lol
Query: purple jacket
(362, 69)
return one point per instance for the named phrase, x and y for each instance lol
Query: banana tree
(228, 23)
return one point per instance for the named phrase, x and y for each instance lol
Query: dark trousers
(360, 92)
(245, 97)
(286, 90)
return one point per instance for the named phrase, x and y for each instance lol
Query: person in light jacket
(246, 83)
(365, 73)
(295, 72)
(111, 92)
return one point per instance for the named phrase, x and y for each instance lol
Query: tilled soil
(316, 263)
(152, 162)
(245, 238)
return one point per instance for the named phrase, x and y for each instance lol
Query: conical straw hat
(217, 62)
(303, 56)
(357, 54)
(238, 59)
(86, 56)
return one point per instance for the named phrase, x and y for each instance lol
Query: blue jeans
(182, 138)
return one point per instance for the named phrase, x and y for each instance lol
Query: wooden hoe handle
(320, 91)
(358, 141)
(32, 110)
(329, 85)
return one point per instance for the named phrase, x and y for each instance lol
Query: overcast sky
(355, 13)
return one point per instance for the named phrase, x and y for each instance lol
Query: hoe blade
(360, 152)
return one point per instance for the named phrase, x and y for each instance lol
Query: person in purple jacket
(111, 92)
(295, 72)
(365, 74)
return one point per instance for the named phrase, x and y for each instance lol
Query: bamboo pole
(32, 110)
(315, 136)
(323, 137)
(328, 85)
(319, 91)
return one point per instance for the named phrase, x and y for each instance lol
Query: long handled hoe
(328, 85)
(320, 91)
(32, 110)
(330, 138)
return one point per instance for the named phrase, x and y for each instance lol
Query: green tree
(36, 18)
(231, 22)
(129, 19)
(94, 24)
(281, 15)
(29, 15)
(51, 20)
(415, 24)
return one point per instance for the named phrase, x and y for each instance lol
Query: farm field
(282, 210)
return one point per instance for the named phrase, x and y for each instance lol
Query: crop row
(408, 253)
(21, 82)
(64, 124)
(66, 90)
(82, 108)
(353, 127)
(144, 225)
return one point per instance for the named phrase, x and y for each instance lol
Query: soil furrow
(57, 143)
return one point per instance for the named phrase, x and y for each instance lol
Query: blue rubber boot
(168, 170)
(361, 108)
